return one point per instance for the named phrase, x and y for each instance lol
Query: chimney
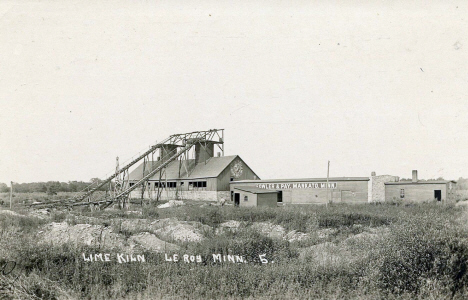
(373, 174)
(219, 154)
(415, 176)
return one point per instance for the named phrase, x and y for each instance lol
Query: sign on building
(297, 185)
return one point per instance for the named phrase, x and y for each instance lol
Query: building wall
(418, 192)
(183, 195)
(350, 191)
(224, 178)
(267, 200)
(377, 187)
(251, 199)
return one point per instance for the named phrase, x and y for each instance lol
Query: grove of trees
(49, 187)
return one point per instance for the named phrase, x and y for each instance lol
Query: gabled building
(203, 178)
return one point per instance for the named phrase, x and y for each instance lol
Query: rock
(182, 231)
(325, 233)
(228, 226)
(269, 229)
(82, 234)
(149, 241)
(133, 225)
(9, 212)
(294, 236)
(171, 203)
(278, 232)
(323, 253)
(231, 224)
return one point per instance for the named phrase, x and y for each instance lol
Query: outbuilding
(246, 196)
(419, 190)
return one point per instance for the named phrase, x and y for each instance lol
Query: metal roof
(255, 190)
(304, 180)
(213, 167)
(420, 182)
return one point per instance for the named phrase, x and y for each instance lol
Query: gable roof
(213, 167)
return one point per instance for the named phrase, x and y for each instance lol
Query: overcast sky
(369, 85)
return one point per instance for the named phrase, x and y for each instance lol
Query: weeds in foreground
(423, 252)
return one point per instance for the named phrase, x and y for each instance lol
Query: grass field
(345, 252)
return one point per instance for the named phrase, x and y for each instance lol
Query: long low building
(303, 190)
(352, 190)
(416, 190)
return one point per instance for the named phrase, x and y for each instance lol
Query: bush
(421, 251)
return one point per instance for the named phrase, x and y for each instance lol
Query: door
(236, 199)
(438, 195)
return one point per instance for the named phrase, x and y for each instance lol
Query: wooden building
(307, 190)
(419, 190)
(248, 196)
(203, 178)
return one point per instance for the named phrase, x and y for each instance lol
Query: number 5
(263, 259)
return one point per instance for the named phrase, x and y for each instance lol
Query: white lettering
(141, 258)
(186, 258)
(216, 257)
(121, 258)
(96, 256)
(199, 260)
(87, 259)
(263, 259)
(107, 257)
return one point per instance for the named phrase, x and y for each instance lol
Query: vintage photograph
(154, 149)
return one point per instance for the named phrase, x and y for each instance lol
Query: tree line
(51, 187)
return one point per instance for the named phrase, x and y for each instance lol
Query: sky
(367, 85)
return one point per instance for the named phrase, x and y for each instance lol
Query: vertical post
(222, 137)
(328, 175)
(11, 191)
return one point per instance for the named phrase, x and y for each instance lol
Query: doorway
(438, 195)
(279, 198)
(236, 199)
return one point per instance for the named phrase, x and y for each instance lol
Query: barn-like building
(204, 177)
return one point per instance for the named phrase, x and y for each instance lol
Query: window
(160, 184)
(181, 183)
(197, 184)
(402, 193)
(231, 179)
(132, 183)
(172, 185)
(246, 198)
